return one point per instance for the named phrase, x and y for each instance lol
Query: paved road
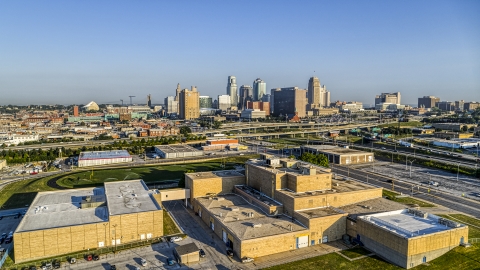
(441, 198)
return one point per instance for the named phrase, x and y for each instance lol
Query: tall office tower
(189, 104)
(459, 105)
(259, 89)
(393, 98)
(206, 102)
(290, 100)
(232, 90)
(324, 97)
(428, 102)
(177, 92)
(171, 105)
(75, 111)
(245, 94)
(149, 100)
(223, 102)
(314, 89)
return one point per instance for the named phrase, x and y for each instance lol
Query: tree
(319, 159)
(465, 128)
(185, 130)
(181, 183)
(217, 124)
(292, 157)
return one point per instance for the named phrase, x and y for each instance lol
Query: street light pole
(458, 169)
(411, 163)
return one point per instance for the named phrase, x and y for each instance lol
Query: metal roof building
(103, 157)
(176, 151)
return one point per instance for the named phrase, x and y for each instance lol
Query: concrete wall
(269, 245)
(52, 242)
(217, 185)
(303, 183)
(264, 180)
(174, 194)
(333, 227)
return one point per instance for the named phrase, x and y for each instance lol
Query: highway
(438, 197)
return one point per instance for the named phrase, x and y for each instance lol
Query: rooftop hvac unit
(257, 225)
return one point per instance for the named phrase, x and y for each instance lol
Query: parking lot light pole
(411, 163)
(458, 169)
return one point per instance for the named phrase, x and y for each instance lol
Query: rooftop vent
(256, 225)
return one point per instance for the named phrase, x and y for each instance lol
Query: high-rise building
(245, 94)
(393, 98)
(75, 111)
(318, 96)
(149, 100)
(459, 105)
(471, 106)
(428, 102)
(189, 104)
(171, 105)
(177, 92)
(288, 101)
(232, 90)
(223, 102)
(259, 89)
(206, 102)
(446, 105)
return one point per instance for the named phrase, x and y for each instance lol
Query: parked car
(247, 259)
(3, 237)
(202, 253)
(229, 252)
(175, 239)
(33, 267)
(73, 260)
(170, 261)
(113, 267)
(46, 266)
(143, 262)
(89, 257)
(96, 257)
(8, 240)
(56, 264)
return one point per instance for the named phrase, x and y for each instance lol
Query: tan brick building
(340, 155)
(62, 222)
(279, 204)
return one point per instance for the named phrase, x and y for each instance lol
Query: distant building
(259, 89)
(149, 100)
(318, 96)
(446, 105)
(95, 158)
(289, 101)
(189, 104)
(394, 98)
(245, 94)
(459, 105)
(428, 102)
(352, 106)
(206, 102)
(471, 106)
(3, 163)
(171, 105)
(232, 90)
(259, 105)
(224, 102)
(252, 114)
(75, 111)
(91, 106)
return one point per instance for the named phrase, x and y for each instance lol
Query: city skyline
(52, 55)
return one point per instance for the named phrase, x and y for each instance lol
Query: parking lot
(9, 222)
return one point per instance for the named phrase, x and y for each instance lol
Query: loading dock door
(302, 241)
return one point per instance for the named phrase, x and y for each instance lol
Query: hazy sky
(71, 52)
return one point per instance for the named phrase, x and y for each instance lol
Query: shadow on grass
(19, 200)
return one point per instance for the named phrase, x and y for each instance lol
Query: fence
(4, 257)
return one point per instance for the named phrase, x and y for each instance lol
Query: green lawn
(169, 227)
(355, 252)
(403, 124)
(21, 193)
(405, 200)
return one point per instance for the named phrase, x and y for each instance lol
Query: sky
(72, 52)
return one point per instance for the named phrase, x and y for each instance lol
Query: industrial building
(188, 253)
(253, 114)
(289, 101)
(408, 237)
(177, 151)
(94, 158)
(220, 144)
(457, 143)
(68, 221)
(339, 155)
(280, 204)
(3, 163)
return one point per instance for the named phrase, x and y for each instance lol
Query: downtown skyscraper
(259, 89)
(318, 96)
(232, 90)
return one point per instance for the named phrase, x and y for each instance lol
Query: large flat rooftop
(373, 206)
(337, 187)
(127, 197)
(55, 209)
(334, 149)
(214, 174)
(247, 221)
(295, 170)
(176, 148)
(406, 224)
(320, 212)
(104, 154)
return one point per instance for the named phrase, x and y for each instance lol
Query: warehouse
(177, 151)
(103, 157)
(220, 144)
(409, 237)
(188, 253)
(339, 155)
(68, 221)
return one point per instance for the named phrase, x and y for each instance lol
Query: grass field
(473, 231)
(21, 193)
(355, 252)
(403, 124)
(169, 227)
(405, 200)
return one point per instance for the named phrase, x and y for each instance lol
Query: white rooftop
(126, 197)
(104, 154)
(407, 224)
